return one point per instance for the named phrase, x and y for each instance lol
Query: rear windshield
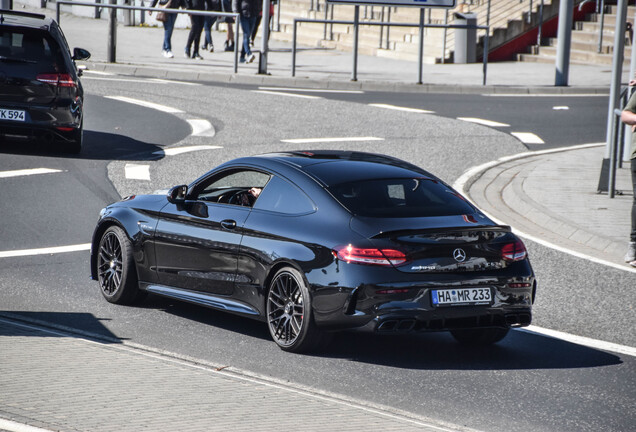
(29, 49)
(414, 197)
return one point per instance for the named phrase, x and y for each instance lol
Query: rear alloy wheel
(116, 268)
(480, 336)
(289, 316)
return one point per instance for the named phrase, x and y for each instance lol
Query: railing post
(112, 34)
(294, 49)
(485, 55)
(420, 51)
(356, 28)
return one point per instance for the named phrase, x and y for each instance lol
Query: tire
(116, 271)
(75, 146)
(479, 337)
(289, 314)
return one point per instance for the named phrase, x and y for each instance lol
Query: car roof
(24, 19)
(331, 167)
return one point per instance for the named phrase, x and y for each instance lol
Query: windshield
(410, 197)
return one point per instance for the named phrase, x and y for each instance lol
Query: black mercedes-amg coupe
(316, 241)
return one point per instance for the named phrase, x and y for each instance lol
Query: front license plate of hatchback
(461, 297)
(13, 115)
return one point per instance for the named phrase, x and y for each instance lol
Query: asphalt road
(528, 382)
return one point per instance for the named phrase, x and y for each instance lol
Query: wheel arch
(272, 272)
(97, 236)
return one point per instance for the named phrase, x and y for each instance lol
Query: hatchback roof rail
(20, 13)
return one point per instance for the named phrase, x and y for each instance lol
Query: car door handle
(228, 224)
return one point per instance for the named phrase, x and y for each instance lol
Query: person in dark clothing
(249, 11)
(194, 37)
(208, 22)
(168, 24)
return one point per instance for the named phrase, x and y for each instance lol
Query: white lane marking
(164, 81)
(146, 104)
(12, 426)
(527, 137)
(582, 340)
(483, 122)
(124, 80)
(94, 72)
(311, 90)
(287, 94)
(518, 95)
(460, 186)
(322, 140)
(27, 172)
(201, 127)
(399, 108)
(137, 172)
(45, 251)
(179, 150)
(561, 108)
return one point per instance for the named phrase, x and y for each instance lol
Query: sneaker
(631, 252)
(242, 60)
(197, 56)
(633, 263)
(211, 48)
(204, 47)
(251, 58)
(186, 54)
(168, 54)
(229, 46)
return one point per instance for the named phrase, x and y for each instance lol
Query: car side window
(282, 197)
(236, 187)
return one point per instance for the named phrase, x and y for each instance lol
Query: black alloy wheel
(289, 314)
(115, 267)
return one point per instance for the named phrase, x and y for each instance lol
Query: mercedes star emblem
(459, 255)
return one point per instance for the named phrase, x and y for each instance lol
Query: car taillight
(59, 80)
(514, 251)
(371, 256)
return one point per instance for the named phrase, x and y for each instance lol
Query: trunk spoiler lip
(416, 231)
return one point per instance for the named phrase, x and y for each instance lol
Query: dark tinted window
(400, 198)
(237, 187)
(30, 49)
(281, 197)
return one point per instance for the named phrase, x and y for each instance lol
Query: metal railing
(617, 145)
(112, 22)
(356, 24)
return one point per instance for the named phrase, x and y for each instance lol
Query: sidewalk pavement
(59, 381)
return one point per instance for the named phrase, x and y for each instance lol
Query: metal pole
(485, 55)
(294, 49)
(564, 41)
(446, 34)
(381, 27)
(628, 130)
(356, 26)
(487, 15)
(420, 53)
(600, 32)
(540, 31)
(237, 23)
(612, 168)
(112, 34)
(57, 12)
(617, 68)
(262, 63)
(324, 36)
(388, 29)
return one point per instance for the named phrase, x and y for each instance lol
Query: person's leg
(257, 22)
(190, 36)
(247, 32)
(197, 27)
(168, 27)
(633, 235)
(207, 29)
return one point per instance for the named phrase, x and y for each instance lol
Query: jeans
(247, 25)
(194, 37)
(633, 234)
(168, 27)
(208, 22)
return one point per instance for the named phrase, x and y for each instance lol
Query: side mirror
(177, 194)
(81, 54)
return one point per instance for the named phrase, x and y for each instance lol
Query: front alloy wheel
(115, 267)
(289, 315)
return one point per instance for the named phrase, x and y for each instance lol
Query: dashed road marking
(399, 108)
(45, 251)
(137, 172)
(27, 172)
(94, 72)
(527, 137)
(165, 81)
(146, 104)
(311, 90)
(561, 108)
(201, 127)
(323, 140)
(179, 150)
(287, 94)
(483, 122)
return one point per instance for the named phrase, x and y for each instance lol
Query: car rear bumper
(45, 124)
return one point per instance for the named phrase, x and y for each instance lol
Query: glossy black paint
(54, 112)
(224, 256)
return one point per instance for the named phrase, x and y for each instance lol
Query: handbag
(161, 16)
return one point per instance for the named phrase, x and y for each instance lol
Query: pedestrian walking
(194, 37)
(168, 19)
(208, 22)
(248, 10)
(628, 116)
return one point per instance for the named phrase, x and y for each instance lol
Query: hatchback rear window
(414, 197)
(29, 48)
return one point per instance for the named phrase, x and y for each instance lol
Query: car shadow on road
(97, 146)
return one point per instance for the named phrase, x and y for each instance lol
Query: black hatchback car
(41, 96)
(316, 241)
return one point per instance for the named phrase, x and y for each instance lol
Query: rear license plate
(13, 115)
(461, 296)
